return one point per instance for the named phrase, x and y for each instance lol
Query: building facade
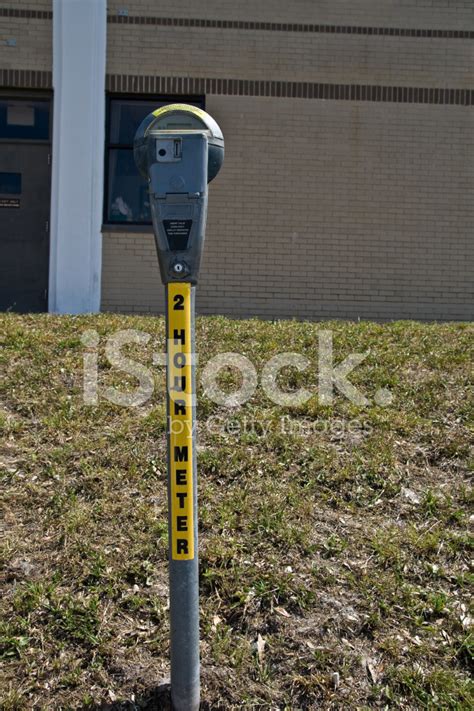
(348, 184)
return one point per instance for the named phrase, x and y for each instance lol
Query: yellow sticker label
(180, 107)
(180, 422)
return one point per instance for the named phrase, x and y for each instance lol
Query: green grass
(339, 534)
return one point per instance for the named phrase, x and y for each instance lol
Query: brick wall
(324, 208)
(42, 5)
(33, 36)
(377, 222)
(363, 209)
(452, 14)
(308, 56)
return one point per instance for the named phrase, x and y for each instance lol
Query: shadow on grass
(158, 699)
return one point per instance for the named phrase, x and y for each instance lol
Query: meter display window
(126, 193)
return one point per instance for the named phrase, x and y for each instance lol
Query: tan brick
(343, 209)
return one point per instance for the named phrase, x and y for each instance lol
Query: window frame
(107, 225)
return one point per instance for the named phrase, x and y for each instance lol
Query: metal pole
(182, 497)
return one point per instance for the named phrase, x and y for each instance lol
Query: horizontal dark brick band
(35, 14)
(138, 84)
(25, 79)
(251, 25)
(125, 83)
(288, 27)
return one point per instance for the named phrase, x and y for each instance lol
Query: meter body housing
(179, 149)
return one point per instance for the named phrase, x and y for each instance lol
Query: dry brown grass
(334, 564)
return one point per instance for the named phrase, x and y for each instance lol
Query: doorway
(25, 190)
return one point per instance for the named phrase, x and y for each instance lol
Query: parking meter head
(179, 149)
(182, 119)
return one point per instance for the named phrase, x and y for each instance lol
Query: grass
(337, 533)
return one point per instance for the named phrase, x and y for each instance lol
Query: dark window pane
(24, 119)
(10, 183)
(128, 192)
(126, 116)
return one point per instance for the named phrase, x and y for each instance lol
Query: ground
(334, 544)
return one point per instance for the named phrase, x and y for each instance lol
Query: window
(126, 193)
(24, 119)
(10, 183)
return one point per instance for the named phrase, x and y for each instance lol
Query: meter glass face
(179, 122)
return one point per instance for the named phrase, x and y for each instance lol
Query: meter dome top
(181, 119)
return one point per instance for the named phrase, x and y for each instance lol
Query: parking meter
(179, 149)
